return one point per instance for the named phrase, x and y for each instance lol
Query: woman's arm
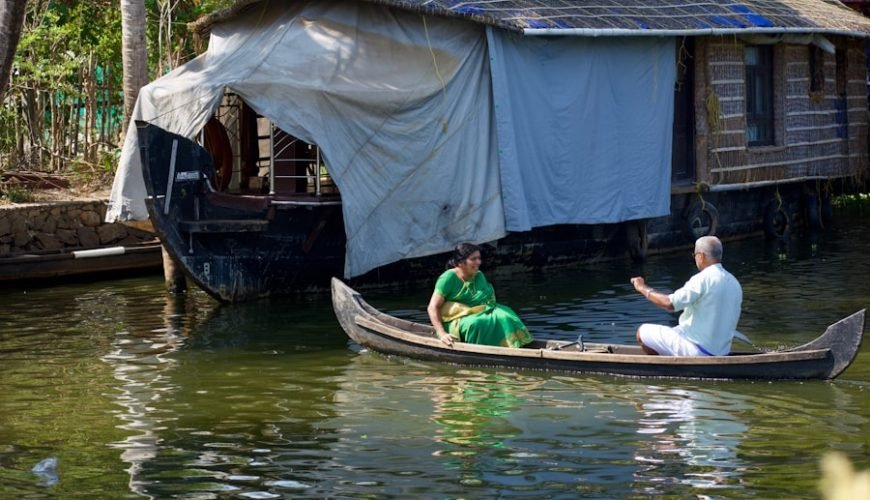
(434, 310)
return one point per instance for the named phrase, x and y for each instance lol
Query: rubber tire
(702, 221)
(777, 223)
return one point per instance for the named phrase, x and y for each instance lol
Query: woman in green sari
(463, 306)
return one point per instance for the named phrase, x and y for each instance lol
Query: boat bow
(843, 339)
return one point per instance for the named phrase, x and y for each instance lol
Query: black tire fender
(777, 223)
(702, 219)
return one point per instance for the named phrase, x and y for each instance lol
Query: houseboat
(365, 139)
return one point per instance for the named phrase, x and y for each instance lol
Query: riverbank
(62, 226)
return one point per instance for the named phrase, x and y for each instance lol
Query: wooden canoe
(82, 264)
(824, 358)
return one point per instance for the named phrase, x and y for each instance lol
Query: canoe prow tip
(844, 339)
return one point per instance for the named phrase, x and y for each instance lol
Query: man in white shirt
(710, 302)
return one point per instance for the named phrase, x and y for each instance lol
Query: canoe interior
(427, 332)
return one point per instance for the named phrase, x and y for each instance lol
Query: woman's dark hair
(462, 252)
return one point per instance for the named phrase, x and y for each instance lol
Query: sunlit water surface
(135, 394)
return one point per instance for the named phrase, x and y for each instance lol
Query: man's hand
(639, 284)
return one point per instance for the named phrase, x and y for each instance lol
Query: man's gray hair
(710, 246)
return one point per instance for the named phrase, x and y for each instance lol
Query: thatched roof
(627, 17)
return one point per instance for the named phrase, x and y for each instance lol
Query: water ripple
(139, 393)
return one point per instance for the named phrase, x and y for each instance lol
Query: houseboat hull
(240, 247)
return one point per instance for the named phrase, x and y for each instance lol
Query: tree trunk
(133, 53)
(11, 20)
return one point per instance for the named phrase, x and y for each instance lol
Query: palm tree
(134, 54)
(11, 19)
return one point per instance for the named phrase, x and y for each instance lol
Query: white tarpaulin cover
(399, 106)
(585, 127)
(402, 108)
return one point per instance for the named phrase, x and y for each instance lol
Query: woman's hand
(434, 310)
(446, 338)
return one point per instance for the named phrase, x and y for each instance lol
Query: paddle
(579, 342)
(743, 338)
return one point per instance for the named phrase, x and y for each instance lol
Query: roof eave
(615, 32)
(202, 26)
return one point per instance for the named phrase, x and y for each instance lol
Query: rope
(713, 121)
(437, 71)
(699, 192)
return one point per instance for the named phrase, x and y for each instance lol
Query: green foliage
(12, 193)
(44, 57)
(69, 55)
(59, 38)
(7, 126)
(180, 48)
(852, 204)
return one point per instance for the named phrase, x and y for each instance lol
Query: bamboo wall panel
(817, 133)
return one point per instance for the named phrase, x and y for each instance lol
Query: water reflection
(466, 410)
(473, 416)
(697, 429)
(141, 364)
(218, 401)
(489, 432)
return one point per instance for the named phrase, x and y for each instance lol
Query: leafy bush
(852, 204)
(13, 193)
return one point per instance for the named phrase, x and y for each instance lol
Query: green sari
(470, 313)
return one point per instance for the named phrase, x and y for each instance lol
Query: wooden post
(172, 275)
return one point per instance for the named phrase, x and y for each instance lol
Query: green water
(139, 395)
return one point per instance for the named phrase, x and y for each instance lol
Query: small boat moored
(826, 357)
(84, 263)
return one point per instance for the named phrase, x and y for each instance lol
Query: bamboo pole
(90, 85)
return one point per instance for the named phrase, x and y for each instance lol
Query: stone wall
(67, 225)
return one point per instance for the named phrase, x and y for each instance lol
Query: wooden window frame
(759, 86)
(816, 66)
